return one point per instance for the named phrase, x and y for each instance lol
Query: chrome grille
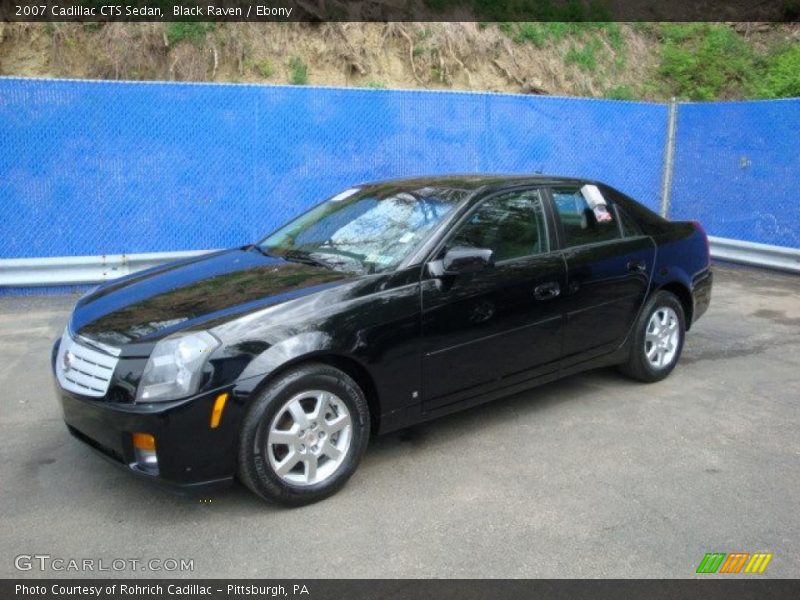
(83, 370)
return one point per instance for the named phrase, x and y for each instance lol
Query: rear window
(648, 221)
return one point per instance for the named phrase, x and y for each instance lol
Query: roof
(473, 182)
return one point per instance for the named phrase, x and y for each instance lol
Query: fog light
(144, 452)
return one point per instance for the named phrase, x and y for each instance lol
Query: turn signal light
(216, 412)
(144, 441)
(144, 451)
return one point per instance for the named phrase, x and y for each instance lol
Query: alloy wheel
(309, 438)
(662, 337)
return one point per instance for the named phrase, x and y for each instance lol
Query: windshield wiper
(306, 257)
(301, 256)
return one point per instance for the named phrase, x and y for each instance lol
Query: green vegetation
(620, 92)
(591, 44)
(376, 84)
(542, 33)
(697, 61)
(701, 61)
(781, 77)
(585, 57)
(188, 31)
(299, 71)
(264, 68)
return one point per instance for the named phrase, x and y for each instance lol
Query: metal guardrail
(77, 270)
(758, 255)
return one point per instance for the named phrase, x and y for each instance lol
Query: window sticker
(594, 198)
(406, 237)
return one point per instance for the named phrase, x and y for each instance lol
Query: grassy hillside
(650, 61)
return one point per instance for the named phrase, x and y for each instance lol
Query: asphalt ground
(591, 476)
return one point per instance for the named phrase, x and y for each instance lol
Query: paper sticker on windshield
(406, 237)
(594, 198)
(344, 195)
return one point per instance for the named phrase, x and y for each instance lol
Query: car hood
(151, 304)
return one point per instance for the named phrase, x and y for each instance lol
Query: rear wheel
(657, 339)
(304, 436)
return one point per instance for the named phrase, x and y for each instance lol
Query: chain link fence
(737, 170)
(99, 167)
(109, 168)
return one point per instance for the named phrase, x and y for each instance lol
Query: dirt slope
(613, 60)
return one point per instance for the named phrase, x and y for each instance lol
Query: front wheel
(657, 339)
(304, 436)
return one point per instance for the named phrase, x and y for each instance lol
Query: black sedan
(389, 304)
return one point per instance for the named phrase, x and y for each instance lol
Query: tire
(643, 360)
(327, 398)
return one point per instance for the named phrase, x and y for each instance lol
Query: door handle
(637, 266)
(546, 291)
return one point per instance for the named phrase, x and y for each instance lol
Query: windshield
(366, 230)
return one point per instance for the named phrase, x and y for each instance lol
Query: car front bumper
(191, 455)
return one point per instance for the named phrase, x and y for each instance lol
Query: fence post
(669, 158)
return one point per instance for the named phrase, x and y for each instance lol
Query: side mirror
(460, 260)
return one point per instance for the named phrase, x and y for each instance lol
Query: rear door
(501, 325)
(609, 267)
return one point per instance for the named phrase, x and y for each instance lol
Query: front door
(500, 325)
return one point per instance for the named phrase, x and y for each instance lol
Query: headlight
(175, 367)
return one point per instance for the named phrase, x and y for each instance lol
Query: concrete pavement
(592, 476)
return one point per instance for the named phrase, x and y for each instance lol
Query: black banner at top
(398, 10)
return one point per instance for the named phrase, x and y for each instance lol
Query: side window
(582, 223)
(511, 224)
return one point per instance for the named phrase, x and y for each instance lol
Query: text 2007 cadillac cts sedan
(389, 304)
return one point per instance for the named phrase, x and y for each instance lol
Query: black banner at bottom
(398, 589)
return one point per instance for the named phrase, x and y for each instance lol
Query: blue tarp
(737, 169)
(99, 167)
(104, 167)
